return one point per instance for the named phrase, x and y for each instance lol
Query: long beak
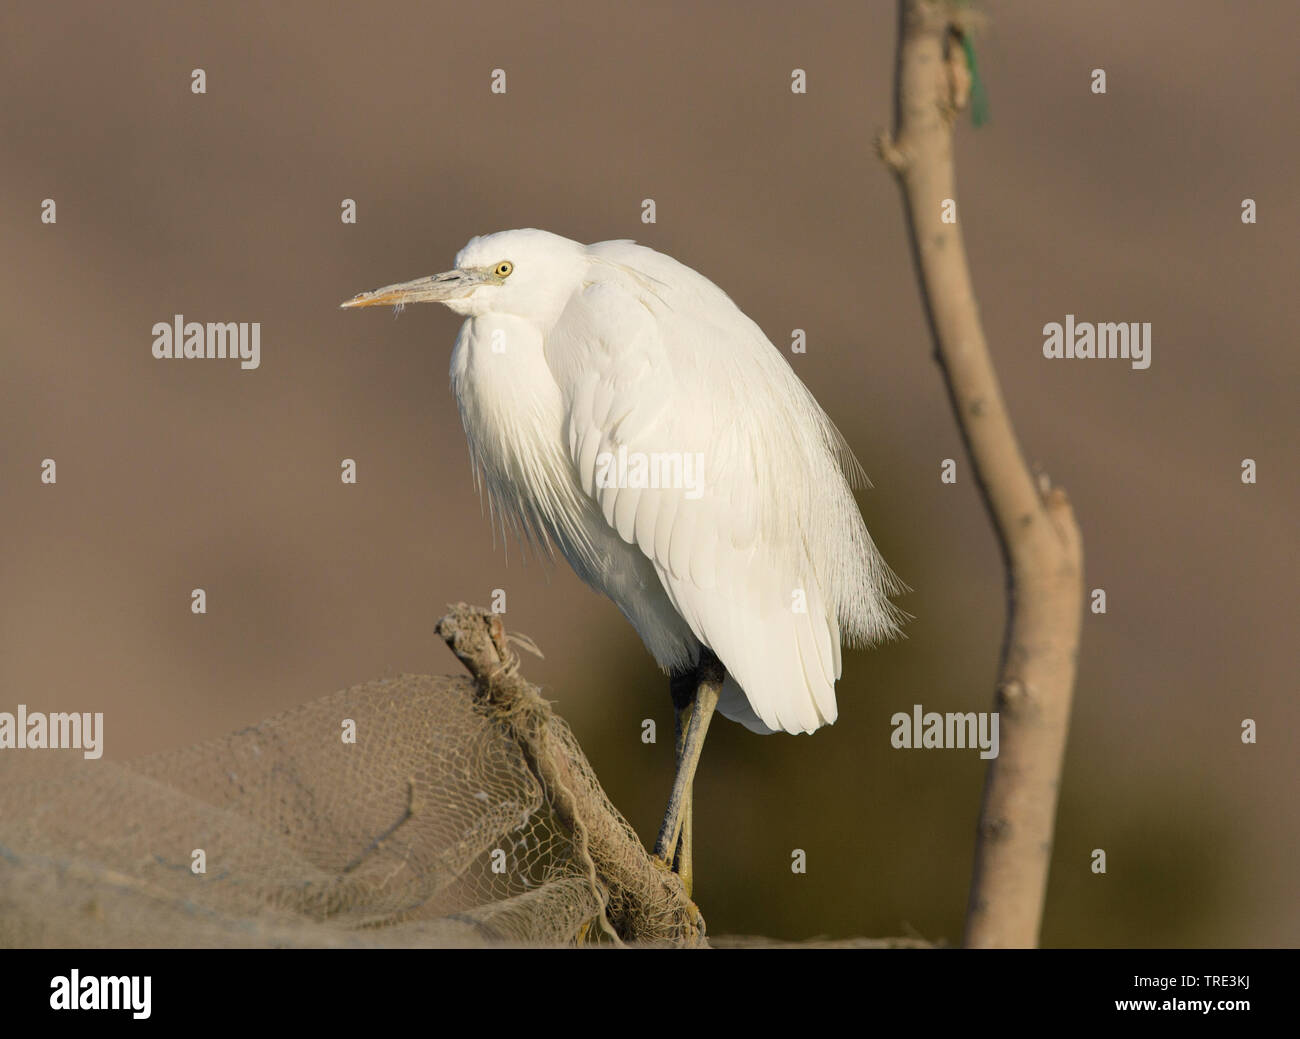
(437, 288)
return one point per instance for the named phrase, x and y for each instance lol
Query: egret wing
(701, 460)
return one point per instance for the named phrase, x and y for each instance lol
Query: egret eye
(503, 269)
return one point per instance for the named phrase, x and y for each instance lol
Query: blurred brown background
(225, 207)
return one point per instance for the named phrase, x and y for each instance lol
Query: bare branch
(1036, 530)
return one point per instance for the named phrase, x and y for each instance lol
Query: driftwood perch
(1036, 529)
(644, 901)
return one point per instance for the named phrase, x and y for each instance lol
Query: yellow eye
(503, 269)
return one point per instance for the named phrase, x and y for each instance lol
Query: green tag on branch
(979, 100)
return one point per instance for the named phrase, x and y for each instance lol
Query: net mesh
(463, 813)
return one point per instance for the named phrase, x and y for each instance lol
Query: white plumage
(577, 356)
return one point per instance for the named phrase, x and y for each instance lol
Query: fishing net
(462, 813)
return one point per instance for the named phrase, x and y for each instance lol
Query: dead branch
(1036, 529)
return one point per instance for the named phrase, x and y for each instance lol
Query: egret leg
(674, 842)
(682, 718)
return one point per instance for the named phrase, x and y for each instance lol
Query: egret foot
(674, 843)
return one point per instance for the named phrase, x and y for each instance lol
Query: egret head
(527, 273)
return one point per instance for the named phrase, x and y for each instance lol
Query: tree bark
(1036, 529)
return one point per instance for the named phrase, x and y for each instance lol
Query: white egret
(621, 407)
